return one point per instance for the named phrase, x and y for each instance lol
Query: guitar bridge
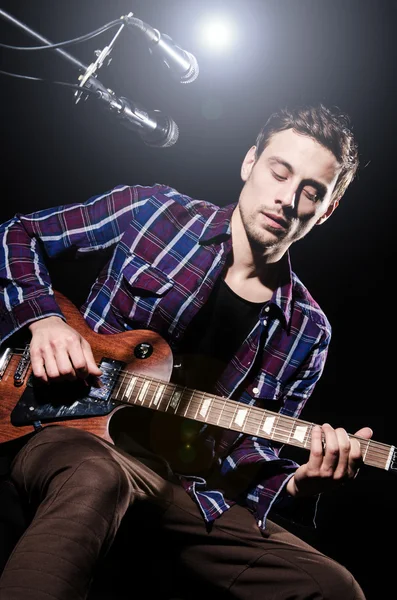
(67, 400)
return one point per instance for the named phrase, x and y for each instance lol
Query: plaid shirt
(174, 248)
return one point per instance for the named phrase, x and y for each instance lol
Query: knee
(60, 456)
(336, 582)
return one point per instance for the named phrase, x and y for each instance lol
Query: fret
(240, 417)
(248, 428)
(205, 407)
(188, 403)
(390, 457)
(300, 433)
(158, 395)
(224, 403)
(309, 435)
(268, 424)
(275, 426)
(175, 399)
(290, 432)
(130, 387)
(121, 382)
(142, 393)
(198, 406)
(236, 408)
(366, 449)
(170, 398)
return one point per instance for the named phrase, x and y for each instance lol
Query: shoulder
(169, 200)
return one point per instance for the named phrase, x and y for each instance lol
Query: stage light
(217, 33)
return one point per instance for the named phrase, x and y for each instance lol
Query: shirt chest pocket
(140, 278)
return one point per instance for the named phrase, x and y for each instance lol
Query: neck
(249, 263)
(253, 275)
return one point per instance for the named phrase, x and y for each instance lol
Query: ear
(329, 211)
(248, 163)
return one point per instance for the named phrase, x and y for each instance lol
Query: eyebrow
(320, 187)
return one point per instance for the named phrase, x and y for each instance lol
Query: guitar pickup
(22, 367)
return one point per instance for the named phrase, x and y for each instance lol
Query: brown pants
(80, 487)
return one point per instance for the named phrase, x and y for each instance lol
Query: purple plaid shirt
(174, 248)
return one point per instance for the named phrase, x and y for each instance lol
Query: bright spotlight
(218, 34)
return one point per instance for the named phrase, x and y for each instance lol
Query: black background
(286, 52)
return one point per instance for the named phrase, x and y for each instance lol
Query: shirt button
(259, 523)
(267, 308)
(256, 391)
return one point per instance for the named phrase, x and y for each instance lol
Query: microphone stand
(39, 37)
(87, 79)
(132, 115)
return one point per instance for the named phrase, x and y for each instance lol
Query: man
(212, 281)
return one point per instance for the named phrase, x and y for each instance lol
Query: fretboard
(236, 416)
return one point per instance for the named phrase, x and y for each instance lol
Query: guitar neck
(229, 414)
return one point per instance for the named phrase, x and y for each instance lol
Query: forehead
(307, 157)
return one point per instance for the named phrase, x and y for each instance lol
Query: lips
(275, 220)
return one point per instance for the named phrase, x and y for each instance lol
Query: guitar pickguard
(67, 400)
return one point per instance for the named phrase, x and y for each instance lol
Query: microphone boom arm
(154, 128)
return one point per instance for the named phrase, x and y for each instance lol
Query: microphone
(154, 128)
(182, 64)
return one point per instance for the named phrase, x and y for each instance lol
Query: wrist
(35, 324)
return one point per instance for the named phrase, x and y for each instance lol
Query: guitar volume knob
(143, 350)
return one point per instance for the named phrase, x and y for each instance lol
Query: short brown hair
(330, 129)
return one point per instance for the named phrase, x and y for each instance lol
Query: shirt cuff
(27, 312)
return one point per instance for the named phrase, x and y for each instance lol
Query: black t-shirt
(215, 334)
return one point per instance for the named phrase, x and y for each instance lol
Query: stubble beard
(257, 236)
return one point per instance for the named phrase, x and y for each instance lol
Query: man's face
(287, 190)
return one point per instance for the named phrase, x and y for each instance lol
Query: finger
(316, 449)
(342, 468)
(93, 368)
(37, 363)
(331, 451)
(64, 364)
(365, 432)
(78, 360)
(50, 364)
(358, 450)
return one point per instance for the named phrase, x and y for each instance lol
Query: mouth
(275, 221)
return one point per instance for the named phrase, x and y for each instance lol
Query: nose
(286, 196)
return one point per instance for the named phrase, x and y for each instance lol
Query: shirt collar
(218, 225)
(282, 296)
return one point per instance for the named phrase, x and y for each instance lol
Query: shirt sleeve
(26, 293)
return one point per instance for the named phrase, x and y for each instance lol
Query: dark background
(286, 52)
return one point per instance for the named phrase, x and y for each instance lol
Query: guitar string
(227, 412)
(226, 407)
(374, 449)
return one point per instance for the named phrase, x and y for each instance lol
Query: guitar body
(125, 347)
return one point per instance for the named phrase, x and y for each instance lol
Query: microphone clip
(97, 64)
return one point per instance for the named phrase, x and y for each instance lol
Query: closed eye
(313, 197)
(278, 177)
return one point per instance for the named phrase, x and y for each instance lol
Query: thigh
(56, 453)
(232, 558)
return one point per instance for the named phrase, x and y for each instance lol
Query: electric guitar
(137, 367)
